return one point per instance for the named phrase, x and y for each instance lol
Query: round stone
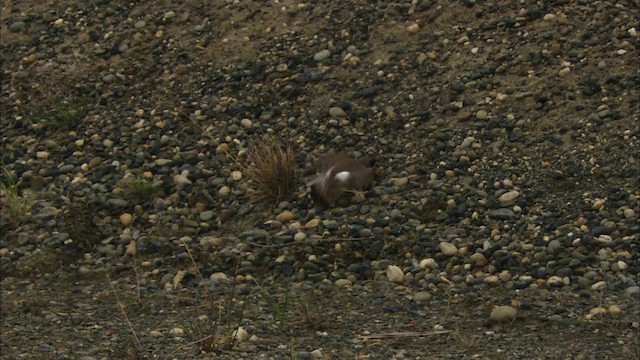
(503, 313)
(224, 191)
(629, 214)
(236, 175)
(322, 55)
(337, 112)
(126, 219)
(448, 249)
(479, 259)
(482, 115)
(299, 236)
(206, 215)
(246, 123)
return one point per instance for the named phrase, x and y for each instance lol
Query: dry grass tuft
(272, 168)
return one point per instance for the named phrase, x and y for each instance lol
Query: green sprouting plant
(138, 189)
(279, 311)
(16, 206)
(60, 113)
(312, 315)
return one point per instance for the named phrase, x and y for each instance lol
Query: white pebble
(429, 263)
(176, 331)
(219, 277)
(241, 334)
(413, 28)
(395, 274)
(299, 236)
(236, 175)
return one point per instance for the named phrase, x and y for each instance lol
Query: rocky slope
(507, 132)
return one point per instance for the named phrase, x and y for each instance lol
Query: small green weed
(59, 113)
(16, 206)
(280, 311)
(312, 315)
(139, 190)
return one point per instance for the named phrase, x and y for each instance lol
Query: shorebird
(340, 174)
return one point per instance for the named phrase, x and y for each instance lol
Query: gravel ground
(503, 224)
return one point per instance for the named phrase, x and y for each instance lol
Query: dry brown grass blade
(124, 314)
(271, 167)
(404, 334)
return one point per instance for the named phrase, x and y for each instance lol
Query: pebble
(503, 214)
(299, 236)
(182, 179)
(176, 331)
(313, 223)
(132, 249)
(42, 154)
(564, 72)
(448, 249)
(241, 334)
(246, 123)
(509, 196)
(503, 313)
(429, 263)
(395, 274)
(482, 115)
(17, 26)
(491, 279)
(206, 215)
(413, 28)
(422, 297)
(400, 182)
(125, 219)
(285, 216)
(479, 259)
(629, 214)
(219, 277)
(236, 175)
(322, 55)
(224, 191)
(337, 112)
(343, 282)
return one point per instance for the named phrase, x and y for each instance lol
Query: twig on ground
(394, 335)
(124, 313)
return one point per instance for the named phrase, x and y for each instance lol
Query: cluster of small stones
(476, 190)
